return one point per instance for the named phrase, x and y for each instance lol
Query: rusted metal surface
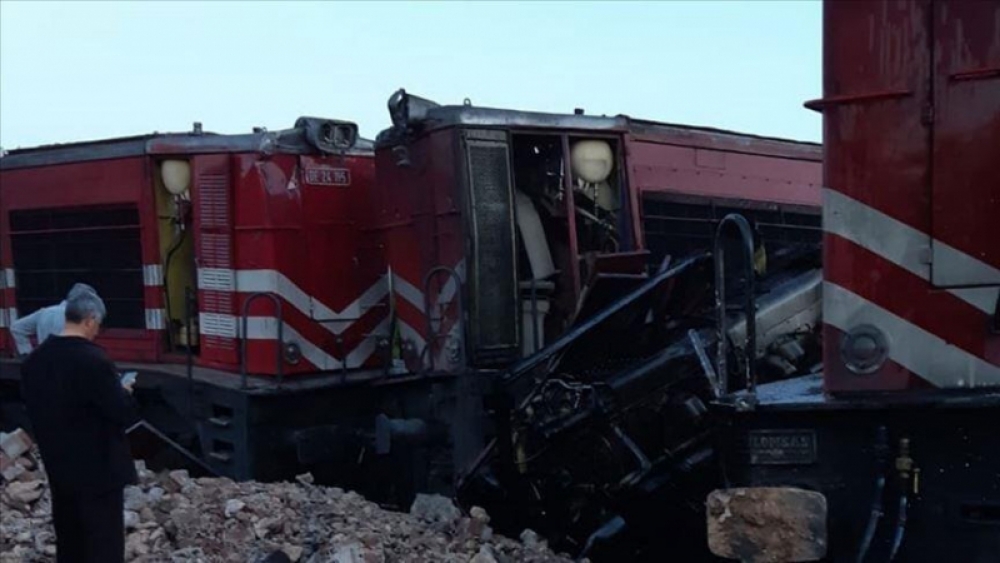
(767, 524)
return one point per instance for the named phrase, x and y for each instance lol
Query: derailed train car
(613, 436)
(308, 300)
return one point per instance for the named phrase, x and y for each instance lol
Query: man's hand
(129, 387)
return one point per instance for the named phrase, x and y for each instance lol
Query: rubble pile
(172, 517)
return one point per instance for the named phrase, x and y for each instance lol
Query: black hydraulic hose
(877, 513)
(897, 540)
(877, 510)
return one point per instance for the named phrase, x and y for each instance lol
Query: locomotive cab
(522, 209)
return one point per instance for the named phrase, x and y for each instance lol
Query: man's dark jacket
(79, 413)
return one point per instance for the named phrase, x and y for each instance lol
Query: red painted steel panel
(966, 192)
(670, 168)
(299, 232)
(886, 67)
(104, 182)
(876, 148)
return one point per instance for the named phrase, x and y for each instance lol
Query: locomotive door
(966, 176)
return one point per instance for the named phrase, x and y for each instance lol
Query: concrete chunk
(767, 524)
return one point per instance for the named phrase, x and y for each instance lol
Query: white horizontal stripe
(910, 346)
(7, 317)
(896, 242)
(152, 275)
(7, 279)
(155, 319)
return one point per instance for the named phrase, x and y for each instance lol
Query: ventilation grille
(216, 250)
(216, 298)
(56, 248)
(494, 278)
(213, 200)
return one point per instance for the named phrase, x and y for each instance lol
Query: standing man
(79, 412)
(44, 322)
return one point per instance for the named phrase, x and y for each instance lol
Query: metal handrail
(244, 318)
(749, 305)
(432, 336)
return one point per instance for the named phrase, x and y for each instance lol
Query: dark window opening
(682, 229)
(55, 248)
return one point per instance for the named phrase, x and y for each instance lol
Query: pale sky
(76, 70)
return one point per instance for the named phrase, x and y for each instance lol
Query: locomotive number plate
(328, 176)
(781, 447)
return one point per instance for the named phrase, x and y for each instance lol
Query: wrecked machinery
(844, 413)
(293, 299)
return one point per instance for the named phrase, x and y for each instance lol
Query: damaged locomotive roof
(295, 140)
(415, 115)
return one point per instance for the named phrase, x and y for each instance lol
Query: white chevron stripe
(409, 292)
(415, 296)
(266, 328)
(252, 281)
(910, 346)
(902, 245)
(7, 279)
(336, 322)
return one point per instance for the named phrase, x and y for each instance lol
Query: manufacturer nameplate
(781, 447)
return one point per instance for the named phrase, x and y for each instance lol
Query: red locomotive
(309, 300)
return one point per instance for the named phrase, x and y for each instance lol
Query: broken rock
(485, 555)
(25, 492)
(184, 520)
(15, 444)
(13, 471)
(233, 507)
(436, 510)
(293, 552)
(350, 553)
(130, 519)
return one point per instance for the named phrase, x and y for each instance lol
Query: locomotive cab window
(55, 248)
(547, 167)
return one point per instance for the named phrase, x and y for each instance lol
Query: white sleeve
(22, 329)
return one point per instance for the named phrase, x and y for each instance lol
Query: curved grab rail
(745, 231)
(280, 364)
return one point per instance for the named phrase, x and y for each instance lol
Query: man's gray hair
(80, 288)
(85, 305)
